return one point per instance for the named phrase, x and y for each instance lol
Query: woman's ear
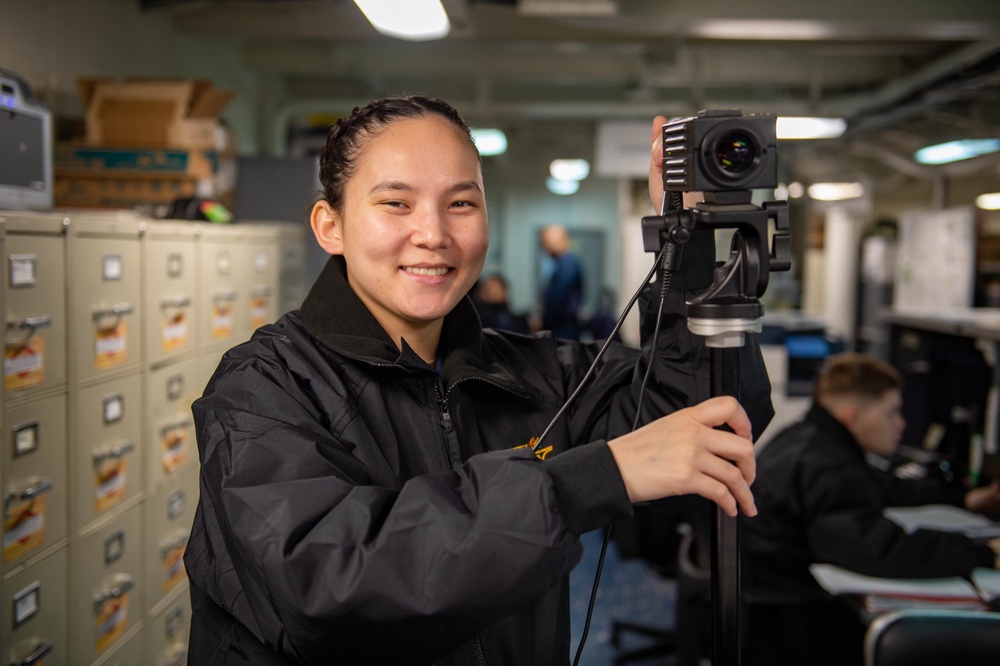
(327, 226)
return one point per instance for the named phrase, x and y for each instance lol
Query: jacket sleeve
(846, 527)
(295, 544)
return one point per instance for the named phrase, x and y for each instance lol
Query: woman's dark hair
(338, 161)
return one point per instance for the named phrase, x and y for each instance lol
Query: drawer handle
(225, 296)
(116, 312)
(179, 658)
(117, 451)
(123, 585)
(169, 545)
(38, 486)
(31, 323)
(41, 650)
(260, 291)
(179, 302)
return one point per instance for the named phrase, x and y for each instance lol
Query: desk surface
(970, 322)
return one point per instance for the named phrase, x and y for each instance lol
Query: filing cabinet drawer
(223, 294)
(169, 444)
(167, 518)
(167, 631)
(105, 294)
(260, 275)
(106, 455)
(33, 613)
(35, 305)
(34, 478)
(106, 585)
(171, 290)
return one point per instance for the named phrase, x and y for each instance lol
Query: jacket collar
(835, 430)
(333, 314)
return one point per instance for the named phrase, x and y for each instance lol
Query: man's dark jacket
(359, 507)
(818, 501)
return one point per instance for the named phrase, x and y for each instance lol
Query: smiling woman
(369, 488)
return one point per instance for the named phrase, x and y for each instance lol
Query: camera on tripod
(720, 150)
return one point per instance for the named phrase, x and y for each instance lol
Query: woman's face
(414, 231)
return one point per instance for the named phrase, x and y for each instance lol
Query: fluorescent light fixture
(791, 127)
(489, 141)
(836, 191)
(989, 201)
(770, 30)
(569, 169)
(563, 187)
(953, 151)
(415, 20)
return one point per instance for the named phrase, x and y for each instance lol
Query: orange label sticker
(258, 311)
(110, 346)
(222, 320)
(23, 527)
(24, 363)
(109, 483)
(173, 566)
(175, 331)
(175, 446)
(112, 621)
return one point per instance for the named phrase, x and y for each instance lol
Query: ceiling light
(836, 191)
(796, 190)
(569, 169)
(953, 151)
(489, 141)
(989, 201)
(414, 20)
(789, 127)
(556, 186)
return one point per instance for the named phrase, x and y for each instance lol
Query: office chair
(691, 641)
(933, 638)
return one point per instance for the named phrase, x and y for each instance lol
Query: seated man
(819, 501)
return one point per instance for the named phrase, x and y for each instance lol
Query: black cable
(664, 289)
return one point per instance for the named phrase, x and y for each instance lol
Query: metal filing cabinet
(170, 286)
(260, 275)
(104, 294)
(292, 263)
(35, 304)
(166, 632)
(129, 652)
(33, 613)
(106, 456)
(34, 478)
(106, 594)
(167, 518)
(223, 301)
(169, 438)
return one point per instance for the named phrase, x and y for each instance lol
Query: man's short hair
(856, 375)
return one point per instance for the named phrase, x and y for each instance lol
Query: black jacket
(818, 501)
(359, 507)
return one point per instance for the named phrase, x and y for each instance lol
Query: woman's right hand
(684, 453)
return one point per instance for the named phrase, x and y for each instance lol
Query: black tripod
(724, 313)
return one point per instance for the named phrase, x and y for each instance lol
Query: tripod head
(725, 155)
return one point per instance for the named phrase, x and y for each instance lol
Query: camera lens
(736, 152)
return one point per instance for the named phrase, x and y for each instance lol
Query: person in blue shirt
(564, 291)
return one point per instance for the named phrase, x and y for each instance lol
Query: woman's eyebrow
(400, 186)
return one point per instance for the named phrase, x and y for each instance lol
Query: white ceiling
(903, 72)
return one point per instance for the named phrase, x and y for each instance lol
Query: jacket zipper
(480, 653)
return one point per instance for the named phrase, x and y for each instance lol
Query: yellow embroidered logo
(539, 453)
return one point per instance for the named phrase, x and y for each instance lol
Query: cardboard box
(74, 159)
(153, 113)
(120, 191)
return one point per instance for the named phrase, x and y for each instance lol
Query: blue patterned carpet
(629, 590)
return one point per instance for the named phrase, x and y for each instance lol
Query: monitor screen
(25, 149)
